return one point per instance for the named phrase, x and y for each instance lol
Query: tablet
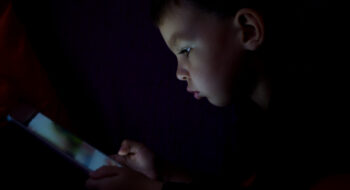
(60, 140)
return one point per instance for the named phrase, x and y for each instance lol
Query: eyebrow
(175, 38)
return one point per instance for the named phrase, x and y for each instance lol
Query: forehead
(179, 22)
(187, 23)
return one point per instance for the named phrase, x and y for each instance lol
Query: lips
(195, 93)
(192, 91)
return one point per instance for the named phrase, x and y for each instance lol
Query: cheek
(216, 71)
(206, 80)
(226, 63)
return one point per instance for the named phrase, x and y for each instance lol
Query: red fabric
(337, 182)
(22, 79)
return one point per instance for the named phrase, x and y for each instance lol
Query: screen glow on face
(83, 153)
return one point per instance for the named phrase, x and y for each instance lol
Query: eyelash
(185, 51)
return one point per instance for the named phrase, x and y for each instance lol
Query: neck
(261, 93)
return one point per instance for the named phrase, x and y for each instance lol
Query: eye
(185, 51)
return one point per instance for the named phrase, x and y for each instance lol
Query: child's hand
(112, 177)
(137, 157)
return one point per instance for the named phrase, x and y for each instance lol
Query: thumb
(129, 147)
(120, 159)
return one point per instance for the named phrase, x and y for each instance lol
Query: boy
(221, 52)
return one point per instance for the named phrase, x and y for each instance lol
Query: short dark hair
(221, 8)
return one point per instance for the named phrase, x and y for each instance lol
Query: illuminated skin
(210, 50)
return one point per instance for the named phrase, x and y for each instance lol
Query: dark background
(116, 76)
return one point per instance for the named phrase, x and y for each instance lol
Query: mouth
(195, 93)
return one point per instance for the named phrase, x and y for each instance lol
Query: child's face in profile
(207, 51)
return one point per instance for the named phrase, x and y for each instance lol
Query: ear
(251, 28)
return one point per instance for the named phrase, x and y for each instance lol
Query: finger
(92, 184)
(105, 171)
(124, 148)
(129, 147)
(119, 159)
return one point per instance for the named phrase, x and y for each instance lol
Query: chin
(219, 102)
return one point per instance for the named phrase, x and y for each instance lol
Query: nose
(181, 73)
